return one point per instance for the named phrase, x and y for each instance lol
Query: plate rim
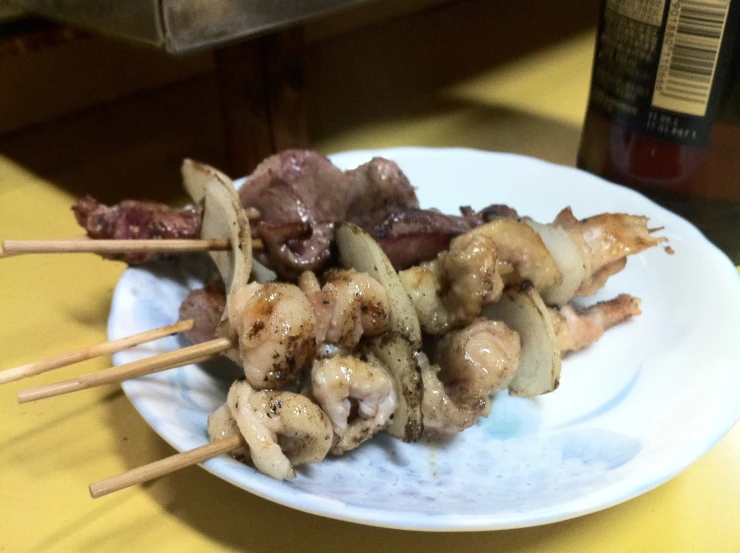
(439, 522)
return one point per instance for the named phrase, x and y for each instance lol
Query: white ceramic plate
(631, 412)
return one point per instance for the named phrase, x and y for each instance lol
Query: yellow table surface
(51, 450)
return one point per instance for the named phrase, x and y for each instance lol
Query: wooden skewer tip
(162, 467)
(105, 348)
(192, 354)
(105, 246)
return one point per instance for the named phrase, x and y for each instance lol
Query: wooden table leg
(243, 98)
(287, 97)
(262, 96)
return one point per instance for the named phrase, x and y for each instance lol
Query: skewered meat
(411, 236)
(276, 331)
(611, 237)
(299, 194)
(351, 304)
(450, 291)
(360, 307)
(221, 425)
(474, 362)
(291, 248)
(282, 429)
(487, 214)
(132, 219)
(479, 359)
(322, 302)
(442, 291)
(376, 188)
(278, 326)
(521, 249)
(342, 384)
(297, 186)
(205, 306)
(575, 330)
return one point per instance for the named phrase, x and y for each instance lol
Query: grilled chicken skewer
(349, 305)
(453, 401)
(475, 362)
(470, 274)
(485, 357)
(474, 279)
(274, 328)
(248, 426)
(564, 259)
(271, 330)
(456, 394)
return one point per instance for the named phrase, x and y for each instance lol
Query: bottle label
(656, 62)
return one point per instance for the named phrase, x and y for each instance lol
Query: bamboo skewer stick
(112, 246)
(105, 246)
(165, 466)
(252, 213)
(150, 365)
(72, 357)
(3, 253)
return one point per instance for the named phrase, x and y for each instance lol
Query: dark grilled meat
(300, 195)
(497, 211)
(132, 219)
(488, 214)
(415, 235)
(378, 187)
(292, 248)
(297, 186)
(205, 306)
(411, 236)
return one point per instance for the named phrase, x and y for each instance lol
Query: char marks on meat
(415, 235)
(292, 248)
(411, 236)
(297, 186)
(376, 188)
(132, 219)
(205, 306)
(488, 214)
(301, 194)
